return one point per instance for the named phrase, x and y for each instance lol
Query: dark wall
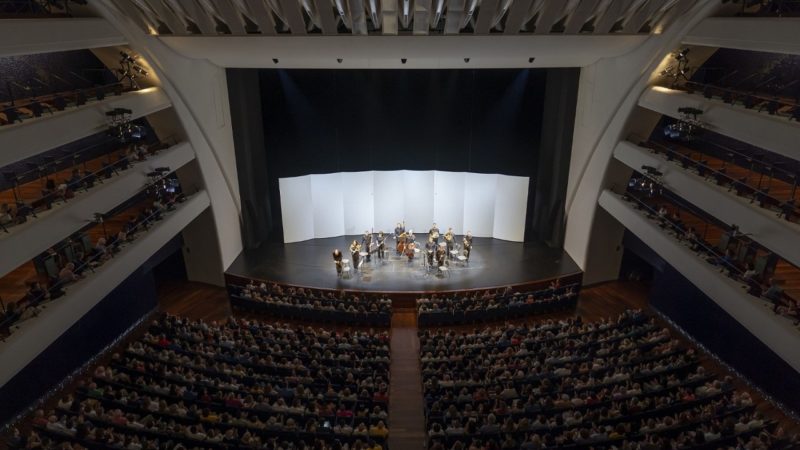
(684, 303)
(327, 121)
(126, 304)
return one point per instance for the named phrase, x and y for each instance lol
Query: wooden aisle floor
(405, 387)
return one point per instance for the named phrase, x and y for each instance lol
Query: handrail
(732, 180)
(8, 106)
(707, 91)
(771, 166)
(87, 264)
(676, 226)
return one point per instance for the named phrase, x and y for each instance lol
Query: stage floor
(493, 263)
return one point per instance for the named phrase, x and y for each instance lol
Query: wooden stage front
(493, 263)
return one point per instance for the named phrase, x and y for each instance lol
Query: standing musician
(337, 259)
(434, 233)
(399, 229)
(430, 249)
(450, 240)
(401, 243)
(441, 254)
(366, 243)
(381, 245)
(355, 248)
(467, 244)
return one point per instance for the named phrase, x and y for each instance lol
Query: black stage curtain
(251, 159)
(325, 121)
(546, 220)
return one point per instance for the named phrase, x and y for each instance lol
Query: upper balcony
(31, 137)
(759, 128)
(33, 336)
(754, 314)
(765, 33)
(46, 35)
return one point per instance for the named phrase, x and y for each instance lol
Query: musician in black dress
(467, 244)
(366, 243)
(355, 248)
(337, 259)
(381, 245)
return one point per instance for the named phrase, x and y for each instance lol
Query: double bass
(411, 250)
(401, 243)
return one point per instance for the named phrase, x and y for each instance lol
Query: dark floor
(493, 263)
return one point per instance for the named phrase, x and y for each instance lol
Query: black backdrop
(298, 122)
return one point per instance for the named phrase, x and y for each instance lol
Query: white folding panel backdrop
(327, 205)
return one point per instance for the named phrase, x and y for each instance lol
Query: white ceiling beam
(486, 13)
(676, 11)
(548, 16)
(232, 17)
(517, 15)
(579, 16)
(604, 24)
(639, 18)
(260, 14)
(454, 16)
(167, 17)
(326, 16)
(199, 16)
(357, 16)
(389, 17)
(294, 16)
(422, 17)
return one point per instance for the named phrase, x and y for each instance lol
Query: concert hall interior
(399, 224)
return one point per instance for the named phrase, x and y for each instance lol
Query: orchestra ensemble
(436, 253)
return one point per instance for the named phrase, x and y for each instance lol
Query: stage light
(275, 60)
(531, 59)
(339, 60)
(466, 60)
(403, 60)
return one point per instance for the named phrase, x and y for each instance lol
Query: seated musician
(337, 259)
(410, 251)
(355, 249)
(366, 243)
(441, 254)
(467, 244)
(410, 238)
(449, 240)
(434, 233)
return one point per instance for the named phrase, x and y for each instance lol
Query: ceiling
(403, 17)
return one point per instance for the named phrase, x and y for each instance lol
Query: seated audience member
(67, 274)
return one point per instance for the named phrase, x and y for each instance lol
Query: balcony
(31, 137)
(31, 337)
(771, 132)
(33, 237)
(45, 35)
(764, 226)
(754, 314)
(765, 34)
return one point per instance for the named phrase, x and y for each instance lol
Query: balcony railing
(773, 105)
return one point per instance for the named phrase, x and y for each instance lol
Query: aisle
(407, 423)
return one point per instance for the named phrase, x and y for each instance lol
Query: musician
(410, 251)
(430, 249)
(381, 245)
(434, 233)
(467, 244)
(441, 254)
(401, 243)
(449, 240)
(366, 243)
(355, 248)
(337, 259)
(410, 238)
(398, 230)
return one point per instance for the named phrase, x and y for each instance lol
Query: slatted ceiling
(358, 16)
(453, 16)
(259, 14)
(550, 13)
(422, 16)
(406, 13)
(167, 16)
(670, 16)
(580, 16)
(198, 15)
(389, 17)
(639, 18)
(486, 13)
(516, 16)
(136, 15)
(615, 10)
(374, 13)
(231, 16)
(327, 17)
(294, 16)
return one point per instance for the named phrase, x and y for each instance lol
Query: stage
(493, 263)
